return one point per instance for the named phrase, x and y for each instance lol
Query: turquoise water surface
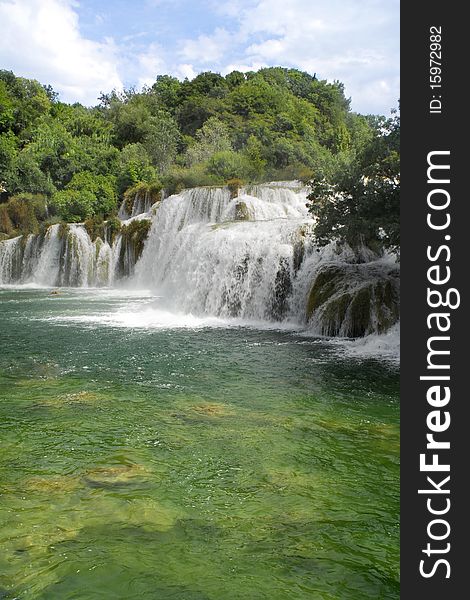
(156, 456)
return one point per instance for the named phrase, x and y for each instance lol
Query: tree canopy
(272, 124)
(361, 202)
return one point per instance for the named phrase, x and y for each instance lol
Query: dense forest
(61, 162)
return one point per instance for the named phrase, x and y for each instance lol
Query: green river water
(157, 457)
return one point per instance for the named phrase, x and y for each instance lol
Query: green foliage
(26, 175)
(213, 137)
(22, 214)
(73, 205)
(255, 163)
(275, 123)
(7, 114)
(167, 89)
(134, 166)
(228, 165)
(180, 178)
(8, 153)
(360, 204)
(26, 99)
(86, 195)
(162, 141)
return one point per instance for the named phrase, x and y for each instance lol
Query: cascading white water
(211, 254)
(200, 259)
(47, 267)
(141, 204)
(66, 257)
(10, 259)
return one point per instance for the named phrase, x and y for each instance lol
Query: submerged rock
(52, 485)
(115, 476)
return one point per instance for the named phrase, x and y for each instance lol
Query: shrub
(180, 178)
(86, 195)
(73, 205)
(227, 165)
(22, 213)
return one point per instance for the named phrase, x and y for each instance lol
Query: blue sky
(84, 47)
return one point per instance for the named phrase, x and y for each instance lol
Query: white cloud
(150, 64)
(185, 70)
(354, 41)
(41, 39)
(206, 49)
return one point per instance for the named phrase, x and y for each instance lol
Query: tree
(213, 137)
(30, 102)
(134, 166)
(227, 164)
(167, 89)
(361, 205)
(162, 141)
(86, 195)
(7, 114)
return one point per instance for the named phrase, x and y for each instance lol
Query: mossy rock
(95, 227)
(354, 300)
(360, 313)
(63, 230)
(135, 235)
(152, 190)
(113, 228)
(241, 212)
(387, 305)
(335, 313)
(115, 476)
(323, 288)
(234, 186)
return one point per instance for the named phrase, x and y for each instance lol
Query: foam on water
(212, 260)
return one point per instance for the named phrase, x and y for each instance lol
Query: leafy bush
(74, 205)
(22, 214)
(180, 178)
(86, 195)
(227, 165)
(361, 204)
(134, 167)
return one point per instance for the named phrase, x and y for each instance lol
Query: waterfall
(205, 252)
(11, 257)
(140, 204)
(209, 253)
(63, 255)
(47, 266)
